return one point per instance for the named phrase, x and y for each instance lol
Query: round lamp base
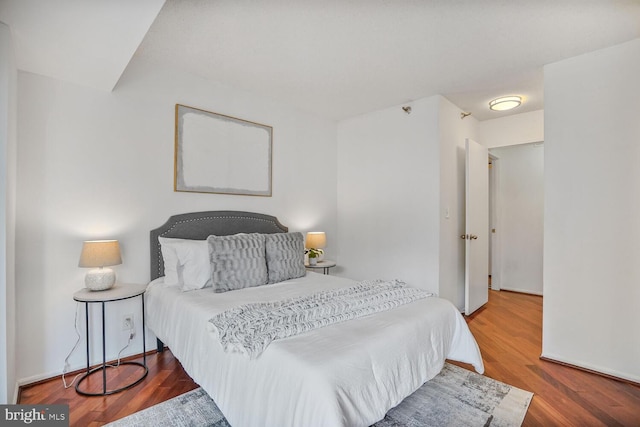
(100, 279)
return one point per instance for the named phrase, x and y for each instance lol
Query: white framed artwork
(215, 153)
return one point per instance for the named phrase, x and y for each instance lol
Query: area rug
(455, 397)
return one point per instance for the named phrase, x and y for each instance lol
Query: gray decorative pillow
(237, 261)
(285, 256)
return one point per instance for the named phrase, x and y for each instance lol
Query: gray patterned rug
(456, 397)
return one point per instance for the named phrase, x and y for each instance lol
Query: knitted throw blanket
(250, 328)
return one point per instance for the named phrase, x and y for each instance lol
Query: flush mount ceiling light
(505, 103)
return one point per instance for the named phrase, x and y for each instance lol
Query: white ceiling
(335, 58)
(88, 42)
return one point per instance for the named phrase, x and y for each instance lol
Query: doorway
(494, 195)
(517, 217)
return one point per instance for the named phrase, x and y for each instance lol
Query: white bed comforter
(347, 374)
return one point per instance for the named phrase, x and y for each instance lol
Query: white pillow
(170, 258)
(186, 263)
(193, 257)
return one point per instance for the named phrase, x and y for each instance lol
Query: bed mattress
(346, 374)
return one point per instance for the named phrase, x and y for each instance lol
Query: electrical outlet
(127, 322)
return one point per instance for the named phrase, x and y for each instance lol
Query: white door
(476, 290)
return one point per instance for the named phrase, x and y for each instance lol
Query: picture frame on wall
(215, 153)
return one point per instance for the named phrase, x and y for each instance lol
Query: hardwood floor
(508, 331)
(166, 379)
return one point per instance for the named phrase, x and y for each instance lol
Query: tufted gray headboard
(200, 225)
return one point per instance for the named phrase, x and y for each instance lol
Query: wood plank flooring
(508, 330)
(166, 379)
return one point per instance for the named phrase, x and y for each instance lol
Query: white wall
(401, 195)
(8, 88)
(521, 216)
(592, 205)
(93, 165)
(509, 130)
(453, 130)
(388, 192)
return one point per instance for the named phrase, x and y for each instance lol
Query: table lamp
(98, 254)
(315, 241)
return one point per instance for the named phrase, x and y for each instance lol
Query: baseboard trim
(591, 371)
(27, 383)
(521, 291)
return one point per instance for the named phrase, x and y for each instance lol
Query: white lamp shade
(315, 240)
(97, 254)
(100, 253)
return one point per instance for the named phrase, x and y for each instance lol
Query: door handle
(464, 236)
(473, 237)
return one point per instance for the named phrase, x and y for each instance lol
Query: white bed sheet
(347, 374)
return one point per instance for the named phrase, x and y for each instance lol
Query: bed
(345, 374)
